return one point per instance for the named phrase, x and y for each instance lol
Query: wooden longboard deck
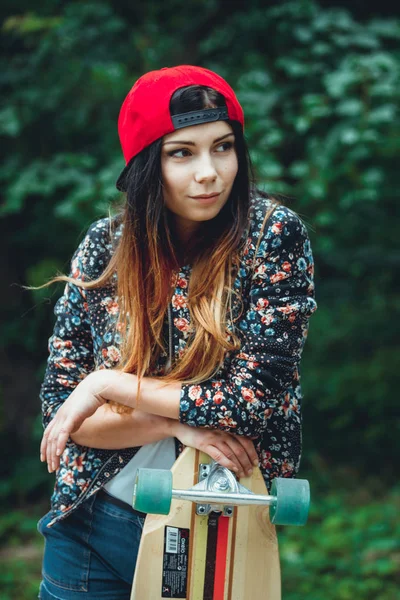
(184, 555)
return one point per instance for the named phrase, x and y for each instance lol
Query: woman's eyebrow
(186, 143)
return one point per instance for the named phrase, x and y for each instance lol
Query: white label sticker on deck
(171, 545)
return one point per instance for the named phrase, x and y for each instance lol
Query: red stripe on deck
(220, 560)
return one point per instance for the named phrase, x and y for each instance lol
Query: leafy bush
(349, 548)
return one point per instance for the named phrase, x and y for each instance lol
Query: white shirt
(159, 455)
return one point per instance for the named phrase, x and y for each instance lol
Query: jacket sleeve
(70, 347)
(273, 328)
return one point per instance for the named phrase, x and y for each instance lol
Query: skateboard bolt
(222, 483)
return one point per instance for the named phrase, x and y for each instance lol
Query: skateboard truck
(218, 490)
(215, 478)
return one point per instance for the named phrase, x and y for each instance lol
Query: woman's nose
(205, 170)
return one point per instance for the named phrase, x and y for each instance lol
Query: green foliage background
(320, 89)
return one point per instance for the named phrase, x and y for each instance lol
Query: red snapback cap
(145, 113)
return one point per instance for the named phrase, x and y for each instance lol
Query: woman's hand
(83, 402)
(232, 451)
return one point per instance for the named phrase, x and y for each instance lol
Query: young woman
(182, 323)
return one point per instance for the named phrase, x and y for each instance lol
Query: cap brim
(121, 183)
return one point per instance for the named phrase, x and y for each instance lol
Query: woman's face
(199, 165)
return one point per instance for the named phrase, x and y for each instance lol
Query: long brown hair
(146, 263)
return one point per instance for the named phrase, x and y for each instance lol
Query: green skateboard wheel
(153, 491)
(292, 501)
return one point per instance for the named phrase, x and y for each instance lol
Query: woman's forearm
(112, 431)
(155, 397)
(89, 420)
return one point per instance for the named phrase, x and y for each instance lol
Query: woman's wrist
(156, 397)
(152, 427)
(115, 386)
(174, 427)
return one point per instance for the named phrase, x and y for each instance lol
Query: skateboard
(208, 536)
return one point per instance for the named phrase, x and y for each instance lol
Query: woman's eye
(184, 152)
(181, 153)
(224, 147)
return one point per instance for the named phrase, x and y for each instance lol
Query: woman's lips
(206, 199)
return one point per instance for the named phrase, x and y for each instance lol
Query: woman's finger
(46, 444)
(53, 449)
(230, 454)
(58, 443)
(48, 449)
(241, 455)
(61, 442)
(249, 448)
(223, 455)
(43, 445)
(66, 426)
(52, 440)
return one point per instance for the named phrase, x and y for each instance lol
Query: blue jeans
(91, 554)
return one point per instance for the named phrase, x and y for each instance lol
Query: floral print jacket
(256, 392)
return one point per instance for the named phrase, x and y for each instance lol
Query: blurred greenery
(320, 88)
(348, 549)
